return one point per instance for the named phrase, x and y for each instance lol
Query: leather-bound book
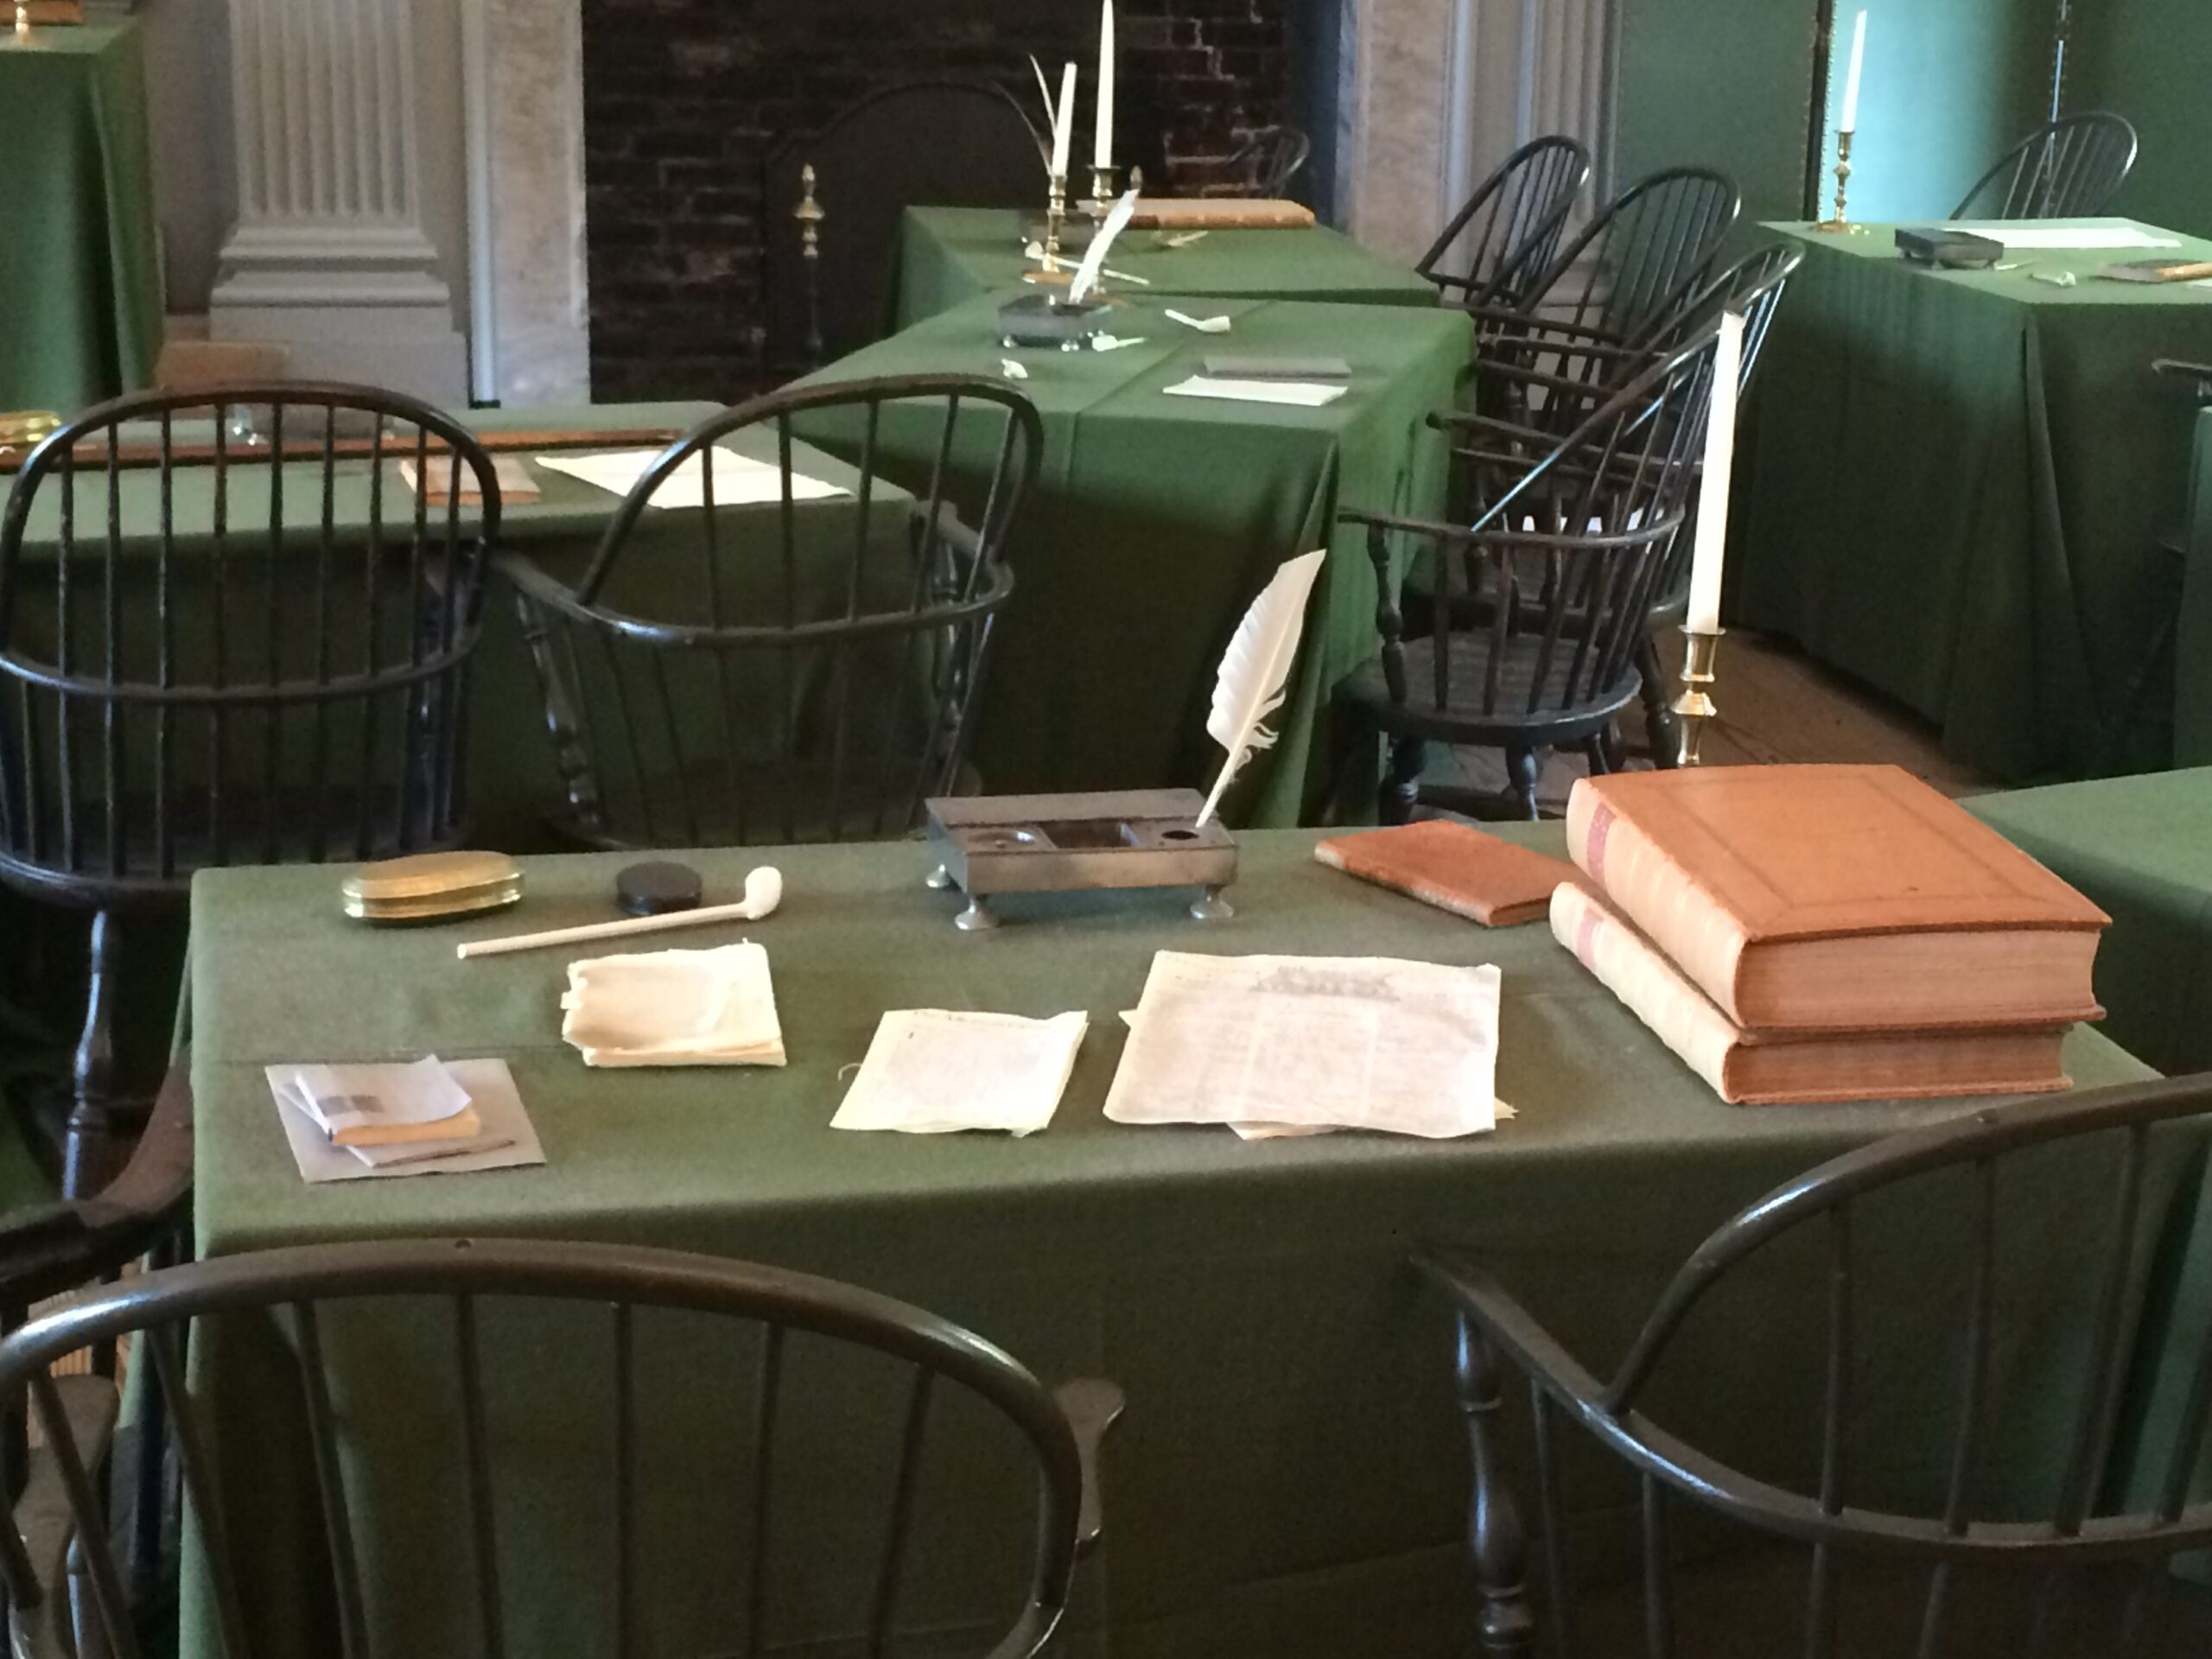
(1454, 867)
(1836, 899)
(1755, 1070)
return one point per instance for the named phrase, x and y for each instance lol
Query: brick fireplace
(683, 99)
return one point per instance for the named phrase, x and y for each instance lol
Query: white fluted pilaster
(329, 256)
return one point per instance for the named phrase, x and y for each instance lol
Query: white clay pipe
(764, 891)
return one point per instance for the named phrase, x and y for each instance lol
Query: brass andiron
(1695, 706)
(1101, 192)
(810, 214)
(1841, 222)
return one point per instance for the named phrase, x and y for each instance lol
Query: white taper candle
(1064, 122)
(1103, 148)
(1850, 122)
(1710, 550)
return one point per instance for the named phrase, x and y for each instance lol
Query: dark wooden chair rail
(1516, 216)
(897, 647)
(2068, 168)
(2084, 1529)
(1061, 1433)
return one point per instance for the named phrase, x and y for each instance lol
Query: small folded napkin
(674, 1007)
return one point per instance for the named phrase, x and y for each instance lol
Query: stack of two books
(1824, 933)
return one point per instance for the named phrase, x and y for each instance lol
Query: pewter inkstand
(991, 844)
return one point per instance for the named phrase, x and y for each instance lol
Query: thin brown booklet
(1753, 1070)
(1810, 898)
(1455, 867)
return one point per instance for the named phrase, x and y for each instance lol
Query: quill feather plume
(1094, 259)
(1052, 114)
(1255, 668)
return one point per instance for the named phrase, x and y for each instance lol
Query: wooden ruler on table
(94, 456)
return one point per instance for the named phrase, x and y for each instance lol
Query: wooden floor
(1775, 704)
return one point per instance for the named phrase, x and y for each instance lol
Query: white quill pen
(1094, 259)
(1052, 115)
(1255, 669)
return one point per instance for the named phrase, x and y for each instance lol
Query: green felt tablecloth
(1289, 1479)
(949, 255)
(81, 316)
(2142, 848)
(1955, 484)
(1156, 519)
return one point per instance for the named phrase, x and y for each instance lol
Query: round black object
(656, 888)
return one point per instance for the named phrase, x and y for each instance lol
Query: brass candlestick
(22, 20)
(1841, 222)
(1101, 192)
(1695, 706)
(1056, 214)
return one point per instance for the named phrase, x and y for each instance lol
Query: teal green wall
(1948, 83)
(2150, 60)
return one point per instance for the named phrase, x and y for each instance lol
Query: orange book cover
(1835, 895)
(1454, 867)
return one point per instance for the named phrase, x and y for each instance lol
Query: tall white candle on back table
(1711, 548)
(1101, 153)
(1063, 123)
(1850, 122)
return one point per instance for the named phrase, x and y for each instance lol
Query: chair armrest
(2196, 376)
(52, 1247)
(1533, 1351)
(1092, 1405)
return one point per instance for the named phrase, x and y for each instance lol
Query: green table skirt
(948, 256)
(2193, 622)
(1955, 485)
(1290, 1478)
(80, 268)
(1154, 521)
(2142, 848)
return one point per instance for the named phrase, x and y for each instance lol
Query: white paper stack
(674, 1007)
(935, 1071)
(1301, 394)
(1276, 1044)
(421, 1117)
(739, 480)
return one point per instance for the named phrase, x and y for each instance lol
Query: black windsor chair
(2067, 169)
(1560, 565)
(1267, 163)
(230, 633)
(798, 669)
(1997, 1546)
(611, 1301)
(1752, 288)
(831, 201)
(1508, 231)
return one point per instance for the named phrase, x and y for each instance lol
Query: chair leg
(1594, 750)
(88, 1143)
(1401, 783)
(1521, 771)
(1661, 728)
(1497, 1543)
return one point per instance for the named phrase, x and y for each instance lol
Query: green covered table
(1156, 519)
(2142, 848)
(948, 255)
(80, 294)
(1953, 486)
(1289, 1479)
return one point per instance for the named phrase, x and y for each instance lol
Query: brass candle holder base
(1842, 223)
(1056, 215)
(1696, 707)
(1101, 193)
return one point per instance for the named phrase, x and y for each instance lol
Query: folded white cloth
(674, 1007)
